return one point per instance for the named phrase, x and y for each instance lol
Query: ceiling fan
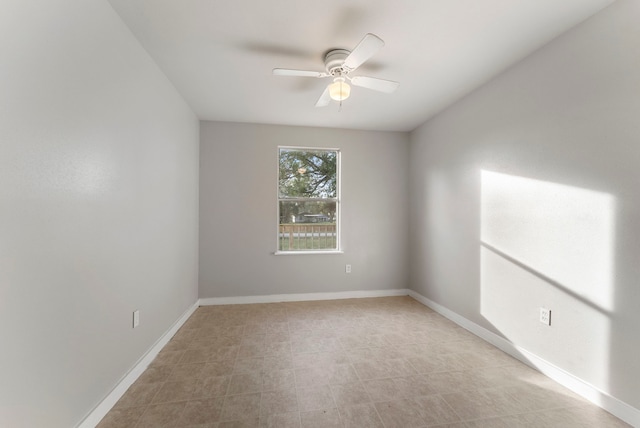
(339, 63)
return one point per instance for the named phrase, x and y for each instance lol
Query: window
(308, 199)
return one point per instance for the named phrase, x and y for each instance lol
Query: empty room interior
(339, 213)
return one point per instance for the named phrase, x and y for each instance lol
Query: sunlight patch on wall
(549, 245)
(563, 232)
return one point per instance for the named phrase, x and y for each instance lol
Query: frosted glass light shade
(339, 90)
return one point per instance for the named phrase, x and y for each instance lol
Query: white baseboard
(302, 297)
(99, 412)
(616, 407)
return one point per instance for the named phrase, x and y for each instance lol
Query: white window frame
(337, 199)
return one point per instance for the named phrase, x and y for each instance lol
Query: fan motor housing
(333, 61)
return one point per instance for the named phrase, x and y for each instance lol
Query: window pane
(308, 225)
(307, 173)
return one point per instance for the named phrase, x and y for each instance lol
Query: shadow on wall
(549, 245)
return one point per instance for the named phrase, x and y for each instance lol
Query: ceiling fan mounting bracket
(334, 61)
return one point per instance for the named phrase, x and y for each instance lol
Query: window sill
(300, 253)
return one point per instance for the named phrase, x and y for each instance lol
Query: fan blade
(368, 46)
(324, 99)
(300, 73)
(381, 85)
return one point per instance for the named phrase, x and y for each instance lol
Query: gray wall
(98, 208)
(525, 194)
(238, 212)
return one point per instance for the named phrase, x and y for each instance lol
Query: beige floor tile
(580, 416)
(213, 425)
(315, 344)
(441, 363)
(305, 360)
(237, 407)
(201, 343)
(531, 398)
(360, 416)
(252, 350)
(341, 373)
(285, 420)
(161, 415)
(248, 365)
(202, 411)
(383, 389)
(358, 355)
(139, 394)
(245, 383)
(489, 377)
(432, 336)
(278, 327)
(241, 423)
(251, 336)
(487, 403)
(277, 349)
(435, 411)
(473, 344)
(186, 334)
(210, 387)
(186, 371)
(363, 341)
(199, 355)
(399, 367)
(176, 345)
(181, 390)
(315, 398)
(333, 357)
(311, 376)
(397, 338)
(487, 358)
(516, 421)
(372, 369)
(456, 381)
(278, 379)
(303, 345)
(218, 367)
(277, 402)
(453, 425)
(155, 374)
(400, 351)
(400, 414)
(282, 362)
(350, 394)
(326, 418)
(168, 358)
(354, 362)
(122, 417)
(414, 386)
(224, 352)
(278, 337)
(222, 340)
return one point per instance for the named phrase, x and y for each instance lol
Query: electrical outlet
(347, 268)
(545, 316)
(136, 318)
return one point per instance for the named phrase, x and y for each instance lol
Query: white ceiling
(219, 54)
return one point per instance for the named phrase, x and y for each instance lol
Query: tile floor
(383, 362)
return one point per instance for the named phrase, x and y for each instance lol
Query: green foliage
(308, 173)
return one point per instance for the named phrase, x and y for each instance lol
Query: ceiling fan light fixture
(339, 63)
(339, 90)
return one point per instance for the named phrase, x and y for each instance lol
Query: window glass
(308, 199)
